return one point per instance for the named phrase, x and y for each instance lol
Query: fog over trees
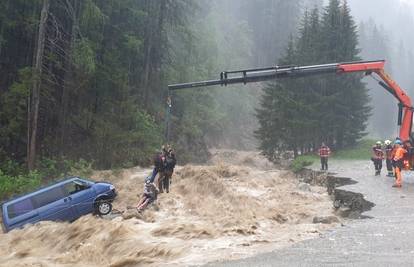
(87, 78)
(385, 29)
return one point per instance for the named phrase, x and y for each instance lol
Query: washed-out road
(384, 239)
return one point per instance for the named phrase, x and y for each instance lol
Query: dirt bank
(234, 208)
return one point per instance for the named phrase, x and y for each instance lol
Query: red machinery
(405, 114)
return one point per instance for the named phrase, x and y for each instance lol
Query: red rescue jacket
(324, 151)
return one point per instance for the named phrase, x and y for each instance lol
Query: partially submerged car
(63, 201)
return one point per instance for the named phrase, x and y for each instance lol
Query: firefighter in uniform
(377, 157)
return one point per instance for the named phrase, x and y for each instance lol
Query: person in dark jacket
(160, 164)
(170, 162)
(159, 167)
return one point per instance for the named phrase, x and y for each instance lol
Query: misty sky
(395, 21)
(396, 25)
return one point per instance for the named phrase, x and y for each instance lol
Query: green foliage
(11, 185)
(103, 81)
(14, 179)
(106, 67)
(80, 168)
(13, 109)
(56, 169)
(92, 18)
(301, 162)
(51, 168)
(84, 56)
(135, 137)
(360, 151)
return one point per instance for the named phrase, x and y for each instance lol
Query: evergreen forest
(83, 83)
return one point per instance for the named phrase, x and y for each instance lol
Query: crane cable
(168, 117)
(379, 81)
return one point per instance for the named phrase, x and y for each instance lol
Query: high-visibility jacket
(399, 153)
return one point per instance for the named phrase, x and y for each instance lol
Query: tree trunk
(35, 96)
(68, 77)
(151, 20)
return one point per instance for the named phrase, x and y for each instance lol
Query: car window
(74, 187)
(48, 197)
(20, 208)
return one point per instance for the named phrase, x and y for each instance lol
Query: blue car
(63, 201)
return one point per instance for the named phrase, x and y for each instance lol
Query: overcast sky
(395, 19)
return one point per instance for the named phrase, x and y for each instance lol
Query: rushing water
(236, 207)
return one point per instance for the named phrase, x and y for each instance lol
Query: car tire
(103, 207)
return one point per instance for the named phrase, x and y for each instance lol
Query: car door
(81, 196)
(52, 205)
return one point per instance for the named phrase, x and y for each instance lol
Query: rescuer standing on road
(388, 156)
(324, 153)
(398, 162)
(377, 157)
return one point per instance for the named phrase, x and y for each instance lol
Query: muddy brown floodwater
(237, 206)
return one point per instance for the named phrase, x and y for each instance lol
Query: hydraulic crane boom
(405, 115)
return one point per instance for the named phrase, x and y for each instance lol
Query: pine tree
(346, 113)
(298, 114)
(277, 114)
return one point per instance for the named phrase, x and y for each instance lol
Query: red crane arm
(405, 115)
(361, 66)
(405, 101)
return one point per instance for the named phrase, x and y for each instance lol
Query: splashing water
(214, 212)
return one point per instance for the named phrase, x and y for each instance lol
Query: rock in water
(325, 219)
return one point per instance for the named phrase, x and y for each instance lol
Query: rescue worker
(170, 162)
(388, 156)
(324, 153)
(377, 157)
(159, 163)
(149, 195)
(398, 162)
